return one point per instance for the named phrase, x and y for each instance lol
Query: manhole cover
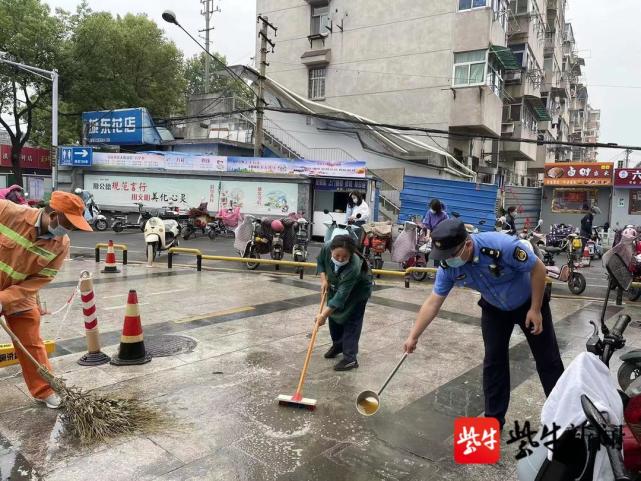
(169, 345)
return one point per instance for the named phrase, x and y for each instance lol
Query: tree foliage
(29, 35)
(220, 80)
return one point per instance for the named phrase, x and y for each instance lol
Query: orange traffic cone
(94, 356)
(132, 347)
(110, 260)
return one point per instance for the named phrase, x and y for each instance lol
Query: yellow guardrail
(120, 247)
(300, 265)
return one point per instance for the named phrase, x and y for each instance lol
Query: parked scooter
(224, 223)
(335, 229)
(160, 235)
(121, 222)
(412, 249)
(584, 429)
(15, 194)
(92, 212)
(251, 241)
(299, 251)
(377, 239)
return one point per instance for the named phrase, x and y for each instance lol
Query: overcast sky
(607, 32)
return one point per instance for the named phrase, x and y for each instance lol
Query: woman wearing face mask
(346, 278)
(356, 205)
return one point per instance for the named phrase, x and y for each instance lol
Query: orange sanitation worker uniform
(29, 259)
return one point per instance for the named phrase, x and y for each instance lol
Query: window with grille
(469, 68)
(316, 90)
(320, 19)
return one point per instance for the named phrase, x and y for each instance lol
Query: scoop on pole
(368, 402)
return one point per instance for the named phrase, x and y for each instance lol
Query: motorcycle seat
(552, 250)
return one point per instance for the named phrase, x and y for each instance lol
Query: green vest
(348, 287)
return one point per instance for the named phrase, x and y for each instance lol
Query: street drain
(169, 345)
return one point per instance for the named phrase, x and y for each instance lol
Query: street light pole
(53, 76)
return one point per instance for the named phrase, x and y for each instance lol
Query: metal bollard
(407, 281)
(124, 257)
(619, 296)
(97, 254)
(199, 263)
(170, 260)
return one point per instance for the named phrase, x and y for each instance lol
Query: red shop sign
(630, 178)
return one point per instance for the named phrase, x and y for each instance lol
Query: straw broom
(91, 418)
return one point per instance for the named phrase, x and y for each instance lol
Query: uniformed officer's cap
(447, 239)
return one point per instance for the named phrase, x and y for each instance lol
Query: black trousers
(497, 327)
(346, 336)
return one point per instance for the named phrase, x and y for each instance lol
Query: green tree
(28, 35)
(221, 81)
(123, 62)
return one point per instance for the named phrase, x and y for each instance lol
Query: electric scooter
(335, 229)
(160, 235)
(121, 222)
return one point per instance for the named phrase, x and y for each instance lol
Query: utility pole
(207, 11)
(260, 101)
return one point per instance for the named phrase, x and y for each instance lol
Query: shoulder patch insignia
(520, 254)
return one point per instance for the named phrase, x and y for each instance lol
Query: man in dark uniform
(511, 281)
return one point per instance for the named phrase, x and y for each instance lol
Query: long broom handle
(310, 348)
(17, 342)
(389, 378)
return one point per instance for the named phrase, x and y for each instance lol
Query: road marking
(226, 312)
(122, 307)
(165, 292)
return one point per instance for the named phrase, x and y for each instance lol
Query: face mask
(455, 262)
(58, 231)
(338, 265)
(458, 261)
(432, 211)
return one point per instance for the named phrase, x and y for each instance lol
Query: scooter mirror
(326, 211)
(358, 216)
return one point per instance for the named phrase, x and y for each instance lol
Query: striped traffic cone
(94, 356)
(110, 260)
(132, 347)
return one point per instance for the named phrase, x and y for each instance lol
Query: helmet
(277, 226)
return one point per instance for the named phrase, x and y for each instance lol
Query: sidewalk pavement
(251, 330)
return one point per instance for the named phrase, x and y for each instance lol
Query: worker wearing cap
(511, 282)
(33, 246)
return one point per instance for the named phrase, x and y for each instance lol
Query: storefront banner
(264, 198)
(162, 161)
(627, 178)
(579, 174)
(30, 157)
(340, 185)
(310, 168)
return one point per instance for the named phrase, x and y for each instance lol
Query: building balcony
(476, 29)
(515, 150)
(476, 110)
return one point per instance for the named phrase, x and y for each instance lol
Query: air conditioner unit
(507, 128)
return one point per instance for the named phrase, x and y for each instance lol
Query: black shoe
(345, 365)
(333, 351)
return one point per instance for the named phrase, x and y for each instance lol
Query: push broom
(91, 418)
(297, 400)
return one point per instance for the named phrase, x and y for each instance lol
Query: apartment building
(479, 67)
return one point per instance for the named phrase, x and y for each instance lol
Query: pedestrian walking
(347, 279)
(512, 284)
(33, 246)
